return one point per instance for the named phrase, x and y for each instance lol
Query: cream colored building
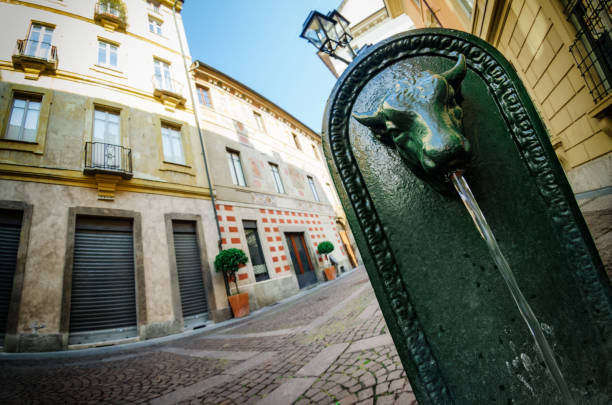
(96, 162)
(274, 192)
(108, 231)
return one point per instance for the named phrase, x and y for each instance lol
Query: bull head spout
(421, 119)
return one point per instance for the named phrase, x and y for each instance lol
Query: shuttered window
(103, 300)
(189, 268)
(10, 230)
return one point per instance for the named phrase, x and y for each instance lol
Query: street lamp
(322, 32)
(342, 30)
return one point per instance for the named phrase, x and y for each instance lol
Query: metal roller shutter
(103, 301)
(10, 229)
(189, 268)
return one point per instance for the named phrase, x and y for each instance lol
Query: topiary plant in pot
(228, 262)
(325, 248)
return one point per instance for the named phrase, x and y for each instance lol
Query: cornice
(76, 178)
(208, 75)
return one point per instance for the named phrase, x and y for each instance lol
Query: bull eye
(390, 125)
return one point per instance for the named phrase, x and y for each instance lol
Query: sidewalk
(328, 345)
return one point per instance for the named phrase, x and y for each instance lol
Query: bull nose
(448, 157)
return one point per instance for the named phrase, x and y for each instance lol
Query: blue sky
(257, 43)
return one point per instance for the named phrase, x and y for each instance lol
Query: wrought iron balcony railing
(106, 13)
(28, 50)
(167, 86)
(107, 158)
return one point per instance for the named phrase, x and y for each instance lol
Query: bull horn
(455, 75)
(374, 119)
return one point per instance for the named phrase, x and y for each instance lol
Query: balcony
(108, 159)
(34, 57)
(111, 14)
(168, 91)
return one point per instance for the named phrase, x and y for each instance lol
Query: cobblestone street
(329, 346)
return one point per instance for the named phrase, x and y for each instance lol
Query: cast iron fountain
(399, 135)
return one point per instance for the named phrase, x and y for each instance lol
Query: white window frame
(235, 165)
(278, 182)
(104, 152)
(33, 101)
(313, 188)
(155, 26)
(109, 49)
(39, 41)
(163, 76)
(172, 144)
(204, 96)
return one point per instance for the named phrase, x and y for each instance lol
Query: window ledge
(109, 71)
(602, 108)
(177, 167)
(23, 146)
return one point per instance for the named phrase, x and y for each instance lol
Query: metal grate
(189, 268)
(103, 282)
(105, 157)
(36, 49)
(10, 230)
(592, 48)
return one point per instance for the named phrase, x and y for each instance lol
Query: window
(591, 49)
(172, 143)
(106, 126)
(153, 6)
(259, 121)
(233, 158)
(107, 54)
(313, 188)
(278, 184)
(468, 6)
(314, 150)
(23, 122)
(39, 41)
(106, 135)
(255, 252)
(163, 80)
(155, 26)
(106, 7)
(296, 141)
(204, 96)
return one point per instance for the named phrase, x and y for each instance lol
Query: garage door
(103, 301)
(189, 268)
(10, 229)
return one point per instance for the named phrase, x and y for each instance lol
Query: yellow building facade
(553, 47)
(108, 232)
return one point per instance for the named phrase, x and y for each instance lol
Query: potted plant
(228, 262)
(325, 248)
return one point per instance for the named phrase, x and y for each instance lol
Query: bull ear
(455, 75)
(375, 120)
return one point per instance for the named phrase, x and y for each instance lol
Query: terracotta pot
(239, 304)
(330, 273)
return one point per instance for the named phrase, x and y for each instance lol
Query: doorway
(304, 270)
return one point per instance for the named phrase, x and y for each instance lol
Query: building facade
(108, 232)
(275, 197)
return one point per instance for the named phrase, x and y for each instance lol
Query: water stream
(504, 268)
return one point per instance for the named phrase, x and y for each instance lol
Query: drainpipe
(197, 120)
(433, 13)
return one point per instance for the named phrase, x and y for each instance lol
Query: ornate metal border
(528, 134)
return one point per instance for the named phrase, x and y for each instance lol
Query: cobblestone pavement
(329, 346)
